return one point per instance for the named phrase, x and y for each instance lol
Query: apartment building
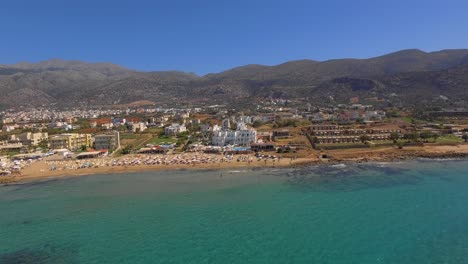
(109, 141)
(71, 141)
(29, 138)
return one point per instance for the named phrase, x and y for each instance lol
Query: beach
(137, 163)
(51, 168)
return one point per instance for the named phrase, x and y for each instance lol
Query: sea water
(410, 212)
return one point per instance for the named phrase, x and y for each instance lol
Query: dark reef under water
(48, 254)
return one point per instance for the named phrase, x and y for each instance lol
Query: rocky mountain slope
(412, 76)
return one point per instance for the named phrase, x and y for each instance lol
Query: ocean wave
(341, 165)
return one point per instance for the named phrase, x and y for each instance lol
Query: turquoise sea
(409, 212)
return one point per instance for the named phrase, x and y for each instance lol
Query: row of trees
(395, 136)
(415, 136)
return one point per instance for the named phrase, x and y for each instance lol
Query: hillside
(408, 75)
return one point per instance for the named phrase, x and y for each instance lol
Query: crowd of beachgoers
(163, 160)
(11, 167)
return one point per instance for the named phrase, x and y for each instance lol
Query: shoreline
(32, 173)
(37, 171)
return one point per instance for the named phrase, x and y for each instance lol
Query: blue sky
(214, 35)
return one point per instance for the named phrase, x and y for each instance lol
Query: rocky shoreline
(408, 156)
(390, 157)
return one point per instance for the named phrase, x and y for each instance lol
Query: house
(205, 128)
(102, 122)
(139, 127)
(7, 129)
(267, 118)
(246, 119)
(107, 126)
(56, 124)
(7, 120)
(161, 119)
(184, 115)
(319, 117)
(174, 129)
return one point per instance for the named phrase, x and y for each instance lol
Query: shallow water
(410, 212)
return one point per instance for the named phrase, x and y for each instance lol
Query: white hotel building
(242, 136)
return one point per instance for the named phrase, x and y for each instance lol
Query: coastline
(40, 171)
(394, 154)
(36, 170)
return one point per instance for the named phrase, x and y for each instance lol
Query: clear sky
(214, 35)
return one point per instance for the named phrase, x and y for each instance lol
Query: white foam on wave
(339, 165)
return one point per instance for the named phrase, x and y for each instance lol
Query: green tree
(126, 150)
(400, 145)
(414, 136)
(465, 137)
(360, 120)
(44, 144)
(395, 136)
(233, 126)
(83, 123)
(364, 138)
(315, 140)
(393, 113)
(426, 135)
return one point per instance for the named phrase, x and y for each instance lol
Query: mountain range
(408, 77)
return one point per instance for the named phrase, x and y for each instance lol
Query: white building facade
(174, 129)
(242, 136)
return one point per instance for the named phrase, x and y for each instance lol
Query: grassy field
(155, 130)
(449, 139)
(141, 141)
(134, 140)
(407, 119)
(128, 136)
(339, 144)
(163, 139)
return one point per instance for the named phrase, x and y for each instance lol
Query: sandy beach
(136, 163)
(50, 168)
